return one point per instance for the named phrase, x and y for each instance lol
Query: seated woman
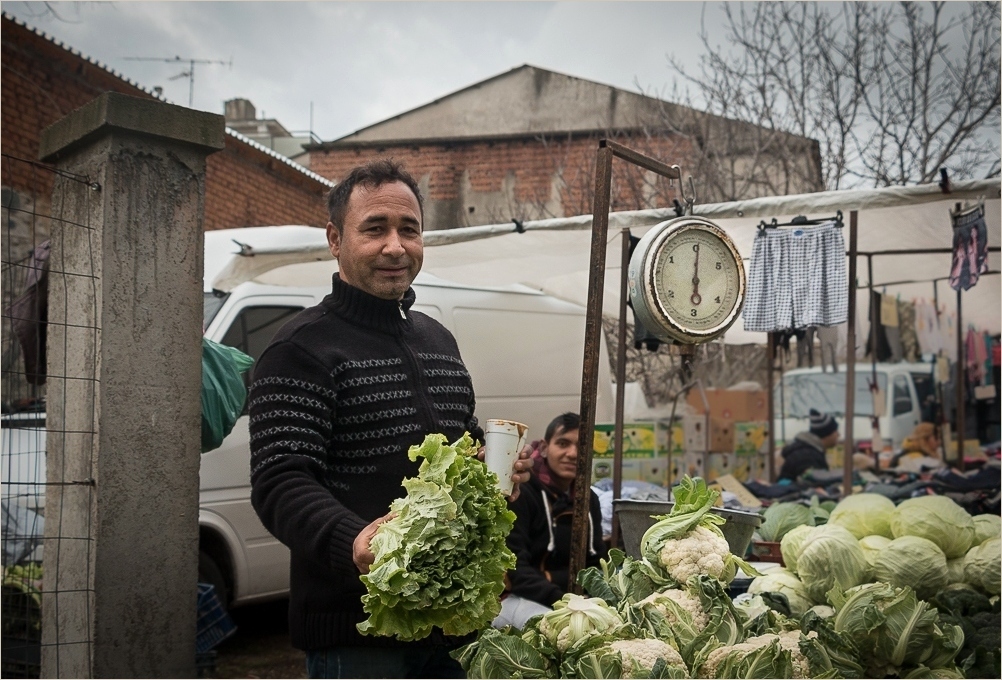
(920, 449)
(541, 537)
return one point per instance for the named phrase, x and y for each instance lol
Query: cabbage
(985, 527)
(831, 556)
(983, 566)
(780, 518)
(792, 544)
(785, 582)
(871, 545)
(915, 562)
(441, 561)
(864, 514)
(895, 633)
(938, 519)
(955, 571)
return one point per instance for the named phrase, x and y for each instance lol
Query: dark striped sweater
(337, 398)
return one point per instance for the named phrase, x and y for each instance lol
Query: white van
(908, 391)
(523, 349)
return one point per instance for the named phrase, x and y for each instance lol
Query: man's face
(381, 249)
(831, 440)
(561, 453)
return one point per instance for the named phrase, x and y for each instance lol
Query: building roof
(229, 131)
(526, 100)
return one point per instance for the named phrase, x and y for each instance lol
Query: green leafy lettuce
(441, 561)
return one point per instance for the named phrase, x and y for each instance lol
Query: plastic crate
(214, 624)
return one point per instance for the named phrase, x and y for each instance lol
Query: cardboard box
(745, 466)
(694, 465)
(717, 465)
(672, 438)
(737, 405)
(721, 434)
(601, 468)
(639, 441)
(655, 470)
(751, 438)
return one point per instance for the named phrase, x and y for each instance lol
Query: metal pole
(589, 371)
(874, 386)
(617, 462)
(961, 378)
(771, 361)
(849, 446)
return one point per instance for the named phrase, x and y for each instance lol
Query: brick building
(43, 80)
(521, 145)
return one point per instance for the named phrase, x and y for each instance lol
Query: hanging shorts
(970, 249)
(797, 278)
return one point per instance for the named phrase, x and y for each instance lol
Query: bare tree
(891, 92)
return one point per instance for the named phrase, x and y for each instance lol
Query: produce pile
(669, 614)
(441, 561)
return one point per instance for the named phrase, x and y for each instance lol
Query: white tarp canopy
(553, 255)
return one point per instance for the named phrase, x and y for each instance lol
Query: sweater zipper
(400, 306)
(424, 399)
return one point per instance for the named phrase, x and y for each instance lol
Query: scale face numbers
(687, 280)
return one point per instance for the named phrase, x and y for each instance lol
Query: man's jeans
(383, 662)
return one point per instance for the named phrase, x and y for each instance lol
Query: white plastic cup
(503, 440)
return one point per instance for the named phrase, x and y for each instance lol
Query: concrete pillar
(123, 408)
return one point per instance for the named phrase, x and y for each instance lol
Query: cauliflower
(639, 656)
(575, 617)
(684, 600)
(730, 655)
(700, 551)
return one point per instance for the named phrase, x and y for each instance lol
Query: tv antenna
(189, 74)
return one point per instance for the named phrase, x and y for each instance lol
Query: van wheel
(209, 572)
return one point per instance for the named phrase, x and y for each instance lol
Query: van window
(799, 393)
(902, 396)
(252, 331)
(925, 387)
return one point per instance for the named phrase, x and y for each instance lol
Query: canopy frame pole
(849, 444)
(874, 385)
(961, 373)
(771, 404)
(592, 346)
(617, 464)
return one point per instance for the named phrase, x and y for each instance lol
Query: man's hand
(360, 552)
(522, 467)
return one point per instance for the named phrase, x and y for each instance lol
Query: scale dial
(687, 280)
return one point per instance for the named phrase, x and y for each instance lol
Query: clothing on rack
(805, 348)
(930, 338)
(796, 279)
(970, 248)
(828, 337)
(909, 334)
(888, 338)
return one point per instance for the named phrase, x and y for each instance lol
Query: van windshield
(825, 392)
(212, 302)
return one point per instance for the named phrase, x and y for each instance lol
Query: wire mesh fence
(33, 587)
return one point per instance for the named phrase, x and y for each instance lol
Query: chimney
(239, 109)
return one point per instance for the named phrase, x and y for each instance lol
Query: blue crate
(214, 624)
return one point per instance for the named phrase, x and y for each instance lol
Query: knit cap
(822, 424)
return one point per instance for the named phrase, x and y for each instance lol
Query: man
(541, 537)
(337, 398)
(807, 450)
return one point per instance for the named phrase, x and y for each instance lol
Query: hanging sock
(970, 248)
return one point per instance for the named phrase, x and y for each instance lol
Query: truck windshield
(212, 302)
(824, 392)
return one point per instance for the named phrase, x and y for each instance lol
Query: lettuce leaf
(441, 561)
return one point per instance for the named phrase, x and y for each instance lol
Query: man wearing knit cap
(807, 450)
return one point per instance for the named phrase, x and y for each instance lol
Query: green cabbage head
(792, 544)
(872, 545)
(785, 582)
(831, 556)
(915, 562)
(985, 527)
(864, 514)
(983, 566)
(938, 519)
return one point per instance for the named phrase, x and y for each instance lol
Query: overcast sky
(362, 62)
